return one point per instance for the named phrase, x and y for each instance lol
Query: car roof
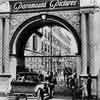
(27, 73)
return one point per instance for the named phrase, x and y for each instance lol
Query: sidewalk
(63, 91)
(67, 93)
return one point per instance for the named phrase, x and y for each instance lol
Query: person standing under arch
(89, 81)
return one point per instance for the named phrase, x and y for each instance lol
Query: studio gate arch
(25, 30)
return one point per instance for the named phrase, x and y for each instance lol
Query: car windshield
(28, 77)
(32, 77)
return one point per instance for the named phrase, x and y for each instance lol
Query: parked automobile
(29, 84)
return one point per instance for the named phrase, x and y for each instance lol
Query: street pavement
(61, 98)
(55, 98)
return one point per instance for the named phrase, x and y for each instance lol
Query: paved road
(62, 98)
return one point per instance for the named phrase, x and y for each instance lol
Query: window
(34, 42)
(45, 47)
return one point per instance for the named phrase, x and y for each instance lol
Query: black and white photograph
(49, 49)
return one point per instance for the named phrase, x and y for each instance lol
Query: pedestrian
(50, 80)
(84, 89)
(41, 77)
(74, 85)
(54, 80)
(89, 81)
(73, 81)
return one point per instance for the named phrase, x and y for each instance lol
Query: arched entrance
(32, 25)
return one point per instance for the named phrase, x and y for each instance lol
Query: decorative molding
(5, 75)
(18, 19)
(73, 17)
(70, 16)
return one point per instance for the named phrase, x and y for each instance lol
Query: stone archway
(25, 30)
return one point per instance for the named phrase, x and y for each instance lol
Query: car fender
(40, 86)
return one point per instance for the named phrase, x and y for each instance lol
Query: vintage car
(29, 84)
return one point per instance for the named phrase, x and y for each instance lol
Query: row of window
(46, 46)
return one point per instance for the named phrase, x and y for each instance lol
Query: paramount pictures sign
(31, 5)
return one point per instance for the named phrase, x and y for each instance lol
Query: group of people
(83, 86)
(86, 87)
(51, 78)
(71, 80)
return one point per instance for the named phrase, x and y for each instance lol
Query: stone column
(6, 45)
(12, 66)
(84, 43)
(78, 64)
(1, 32)
(91, 48)
(4, 48)
(91, 43)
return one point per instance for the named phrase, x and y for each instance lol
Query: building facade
(40, 49)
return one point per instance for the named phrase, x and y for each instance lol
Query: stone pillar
(1, 32)
(84, 43)
(12, 66)
(6, 45)
(91, 52)
(91, 43)
(4, 55)
(78, 64)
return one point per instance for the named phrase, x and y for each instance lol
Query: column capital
(87, 11)
(5, 16)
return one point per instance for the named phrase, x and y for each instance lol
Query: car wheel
(40, 95)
